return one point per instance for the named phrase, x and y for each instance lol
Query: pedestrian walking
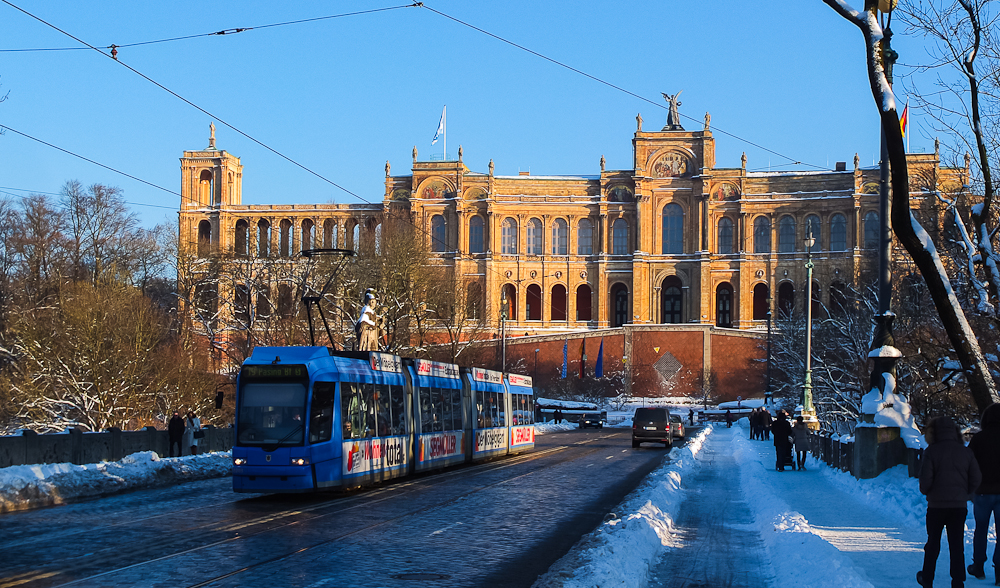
(754, 423)
(192, 432)
(557, 416)
(691, 417)
(729, 419)
(766, 422)
(175, 434)
(985, 445)
(949, 475)
(782, 442)
(801, 434)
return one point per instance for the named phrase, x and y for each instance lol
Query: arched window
(242, 238)
(673, 229)
(817, 300)
(840, 300)
(474, 301)
(786, 299)
(786, 235)
(439, 234)
(761, 302)
(285, 239)
(263, 238)
(476, 236)
(558, 303)
(307, 234)
(356, 236)
(241, 306)
(725, 236)
(583, 307)
(671, 300)
(621, 313)
(330, 234)
(204, 238)
(724, 305)
(838, 233)
(872, 230)
(508, 237)
(813, 226)
(762, 235)
(534, 237)
(560, 236)
(378, 239)
(585, 237)
(263, 302)
(619, 236)
(509, 293)
(285, 304)
(206, 187)
(533, 303)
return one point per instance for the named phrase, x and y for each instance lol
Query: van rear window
(651, 414)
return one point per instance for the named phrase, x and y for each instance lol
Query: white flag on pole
(440, 129)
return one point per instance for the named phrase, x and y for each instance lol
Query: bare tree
(908, 230)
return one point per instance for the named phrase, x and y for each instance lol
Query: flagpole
(444, 120)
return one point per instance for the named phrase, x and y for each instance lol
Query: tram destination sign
(519, 380)
(275, 372)
(436, 369)
(386, 362)
(488, 376)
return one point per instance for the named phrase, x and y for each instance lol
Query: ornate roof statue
(414, 154)
(602, 163)
(366, 328)
(211, 138)
(673, 117)
(387, 168)
(708, 121)
(638, 122)
(491, 167)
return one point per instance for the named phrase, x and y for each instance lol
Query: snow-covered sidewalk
(31, 486)
(821, 527)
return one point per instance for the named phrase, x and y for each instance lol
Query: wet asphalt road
(496, 524)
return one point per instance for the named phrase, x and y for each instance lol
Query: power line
(230, 31)
(4, 189)
(188, 102)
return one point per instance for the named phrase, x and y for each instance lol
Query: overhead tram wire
(188, 102)
(607, 83)
(230, 31)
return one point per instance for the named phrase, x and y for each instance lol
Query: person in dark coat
(765, 425)
(175, 433)
(782, 442)
(985, 445)
(801, 434)
(691, 417)
(949, 475)
(755, 422)
(729, 419)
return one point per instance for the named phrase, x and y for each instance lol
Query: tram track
(336, 505)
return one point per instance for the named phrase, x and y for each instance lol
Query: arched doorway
(204, 238)
(671, 300)
(724, 305)
(558, 303)
(510, 293)
(533, 303)
(786, 299)
(621, 313)
(761, 302)
(583, 307)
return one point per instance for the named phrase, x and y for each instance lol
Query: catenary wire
(189, 103)
(229, 31)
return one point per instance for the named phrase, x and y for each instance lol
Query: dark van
(651, 425)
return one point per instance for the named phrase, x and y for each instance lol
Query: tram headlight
(239, 461)
(300, 461)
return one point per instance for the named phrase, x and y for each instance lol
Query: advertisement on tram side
(491, 439)
(365, 455)
(441, 445)
(522, 435)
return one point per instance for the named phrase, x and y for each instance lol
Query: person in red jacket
(949, 475)
(985, 445)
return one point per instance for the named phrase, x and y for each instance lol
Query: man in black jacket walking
(782, 443)
(948, 477)
(985, 445)
(175, 432)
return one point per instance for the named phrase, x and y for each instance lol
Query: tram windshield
(271, 414)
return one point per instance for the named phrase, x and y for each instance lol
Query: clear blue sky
(341, 96)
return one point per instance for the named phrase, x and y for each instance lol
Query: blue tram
(308, 418)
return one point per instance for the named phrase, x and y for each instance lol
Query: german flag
(905, 118)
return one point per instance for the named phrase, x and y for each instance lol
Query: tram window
(480, 410)
(271, 413)
(383, 415)
(500, 419)
(426, 411)
(443, 406)
(321, 412)
(398, 413)
(456, 410)
(352, 410)
(368, 391)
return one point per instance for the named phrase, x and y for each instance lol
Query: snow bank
(623, 549)
(31, 486)
(543, 428)
(799, 556)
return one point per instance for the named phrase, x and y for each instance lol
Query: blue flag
(565, 354)
(599, 366)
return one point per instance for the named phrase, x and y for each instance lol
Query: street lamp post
(767, 391)
(534, 374)
(806, 409)
(503, 330)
